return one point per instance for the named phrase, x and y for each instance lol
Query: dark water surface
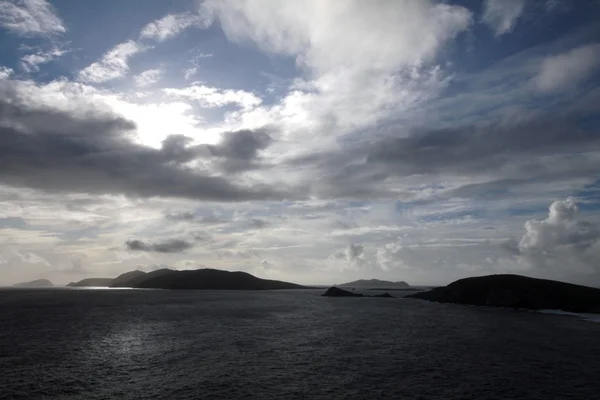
(152, 344)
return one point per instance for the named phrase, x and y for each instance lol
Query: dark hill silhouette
(133, 278)
(38, 283)
(101, 282)
(209, 279)
(125, 279)
(518, 292)
(337, 292)
(375, 283)
(189, 279)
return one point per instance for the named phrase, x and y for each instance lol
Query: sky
(310, 141)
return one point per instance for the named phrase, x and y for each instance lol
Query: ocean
(295, 344)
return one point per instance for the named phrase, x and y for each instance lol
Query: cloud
(353, 255)
(257, 223)
(381, 52)
(502, 15)
(76, 268)
(506, 153)
(74, 146)
(147, 77)
(31, 62)
(172, 25)
(169, 246)
(30, 18)
(332, 36)
(389, 257)
(113, 64)
(181, 216)
(31, 258)
(213, 97)
(565, 71)
(562, 243)
(5, 72)
(189, 73)
(239, 151)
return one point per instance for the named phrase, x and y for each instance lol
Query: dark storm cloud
(181, 216)
(169, 246)
(239, 150)
(189, 216)
(528, 150)
(477, 148)
(91, 152)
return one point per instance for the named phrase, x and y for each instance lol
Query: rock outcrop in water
(38, 283)
(335, 291)
(518, 292)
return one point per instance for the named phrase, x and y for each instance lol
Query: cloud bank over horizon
(308, 141)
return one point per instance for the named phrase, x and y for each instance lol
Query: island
(38, 283)
(92, 282)
(516, 291)
(376, 284)
(337, 292)
(205, 278)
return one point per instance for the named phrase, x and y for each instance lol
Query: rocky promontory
(516, 291)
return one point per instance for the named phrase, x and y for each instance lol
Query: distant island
(335, 291)
(376, 284)
(189, 279)
(516, 291)
(38, 283)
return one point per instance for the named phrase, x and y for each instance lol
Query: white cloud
(30, 18)
(5, 72)
(189, 73)
(113, 64)
(154, 120)
(381, 52)
(353, 256)
(31, 258)
(568, 69)
(375, 35)
(213, 97)
(172, 25)
(388, 257)
(562, 243)
(31, 62)
(502, 15)
(148, 77)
